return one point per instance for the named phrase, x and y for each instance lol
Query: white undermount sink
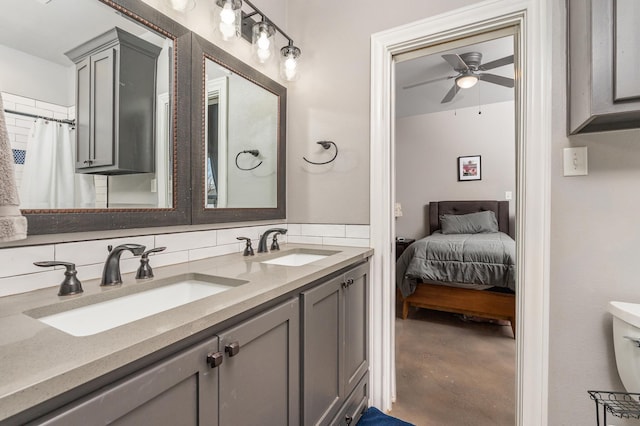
(299, 257)
(105, 315)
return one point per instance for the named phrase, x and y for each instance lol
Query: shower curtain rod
(26, 114)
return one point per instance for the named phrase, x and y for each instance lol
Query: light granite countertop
(39, 362)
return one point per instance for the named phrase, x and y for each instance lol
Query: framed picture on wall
(469, 168)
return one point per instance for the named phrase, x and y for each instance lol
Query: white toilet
(626, 343)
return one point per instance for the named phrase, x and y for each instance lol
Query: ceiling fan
(469, 67)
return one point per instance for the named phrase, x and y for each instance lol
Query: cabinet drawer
(354, 406)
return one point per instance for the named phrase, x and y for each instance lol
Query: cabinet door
(103, 90)
(83, 102)
(356, 326)
(322, 351)
(260, 375)
(179, 391)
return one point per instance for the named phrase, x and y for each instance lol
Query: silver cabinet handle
(635, 340)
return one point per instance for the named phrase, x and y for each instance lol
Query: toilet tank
(626, 343)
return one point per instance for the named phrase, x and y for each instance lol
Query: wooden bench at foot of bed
(482, 303)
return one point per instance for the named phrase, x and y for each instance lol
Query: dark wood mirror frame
(202, 50)
(62, 221)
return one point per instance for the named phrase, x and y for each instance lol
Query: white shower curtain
(49, 180)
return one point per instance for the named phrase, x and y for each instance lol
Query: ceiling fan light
(466, 81)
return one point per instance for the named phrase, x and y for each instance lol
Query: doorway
(532, 229)
(456, 142)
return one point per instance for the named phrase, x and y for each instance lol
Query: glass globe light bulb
(290, 63)
(227, 15)
(264, 54)
(181, 5)
(263, 42)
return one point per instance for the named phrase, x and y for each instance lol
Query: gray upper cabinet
(603, 62)
(115, 104)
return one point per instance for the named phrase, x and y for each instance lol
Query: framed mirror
(110, 81)
(239, 132)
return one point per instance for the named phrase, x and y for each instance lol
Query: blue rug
(375, 417)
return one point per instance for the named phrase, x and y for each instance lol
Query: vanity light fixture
(467, 81)
(181, 5)
(228, 17)
(261, 32)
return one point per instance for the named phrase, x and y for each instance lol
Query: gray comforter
(487, 259)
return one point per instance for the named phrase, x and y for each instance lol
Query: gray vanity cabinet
(177, 391)
(248, 372)
(335, 344)
(603, 62)
(115, 104)
(260, 374)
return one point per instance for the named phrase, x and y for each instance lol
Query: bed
(476, 276)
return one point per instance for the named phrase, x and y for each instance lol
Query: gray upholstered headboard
(500, 208)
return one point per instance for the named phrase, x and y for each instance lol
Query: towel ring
(253, 152)
(325, 145)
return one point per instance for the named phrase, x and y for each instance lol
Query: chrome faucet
(262, 245)
(111, 272)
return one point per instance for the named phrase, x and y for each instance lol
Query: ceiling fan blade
(410, 86)
(497, 63)
(497, 79)
(450, 94)
(456, 62)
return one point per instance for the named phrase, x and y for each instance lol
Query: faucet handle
(248, 250)
(71, 284)
(274, 243)
(153, 250)
(145, 270)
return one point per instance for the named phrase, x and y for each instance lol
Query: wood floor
(453, 372)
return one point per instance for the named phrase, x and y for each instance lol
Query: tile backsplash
(19, 275)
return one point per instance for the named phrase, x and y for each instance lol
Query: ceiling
(425, 99)
(63, 24)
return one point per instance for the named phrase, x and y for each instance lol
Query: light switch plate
(397, 211)
(575, 161)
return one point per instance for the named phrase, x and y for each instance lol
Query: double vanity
(278, 337)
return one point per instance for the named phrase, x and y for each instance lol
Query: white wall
(26, 75)
(427, 148)
(331, 100)
(594, 254)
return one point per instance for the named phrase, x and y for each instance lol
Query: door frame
(533, 134)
